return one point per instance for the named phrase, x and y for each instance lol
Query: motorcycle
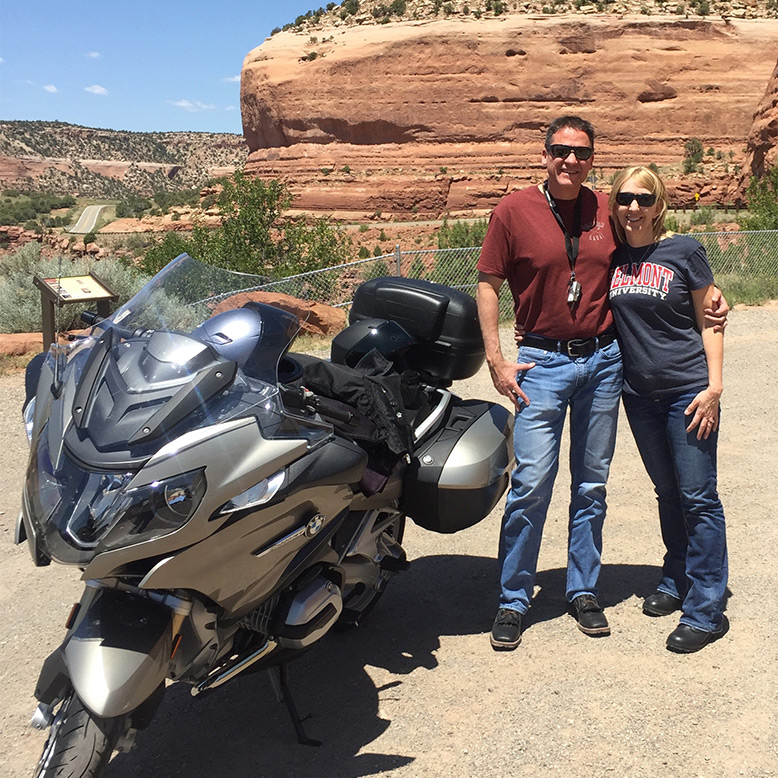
(227, 501)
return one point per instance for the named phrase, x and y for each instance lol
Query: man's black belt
(578, 347)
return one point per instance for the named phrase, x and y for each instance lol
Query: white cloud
(230, 108)
(231, 79)
(96, 89)
(50, 88)
(93, 54)
(1, 60)
(193, 106)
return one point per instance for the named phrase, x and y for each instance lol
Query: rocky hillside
(360, 12)
(448, 114)
(66, 158)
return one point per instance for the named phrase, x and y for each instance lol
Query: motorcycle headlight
(29, 419)
(157, 509)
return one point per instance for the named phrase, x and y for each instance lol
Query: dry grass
(14, 363)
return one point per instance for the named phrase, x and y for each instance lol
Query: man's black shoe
(686, 640)
(588, 613)
(661, 604)
(506, 630)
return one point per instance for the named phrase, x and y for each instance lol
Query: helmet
(358, 339)
(254, 336)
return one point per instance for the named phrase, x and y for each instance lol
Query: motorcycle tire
(80, 744)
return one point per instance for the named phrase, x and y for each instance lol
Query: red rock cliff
(424, 117)
(762, 152)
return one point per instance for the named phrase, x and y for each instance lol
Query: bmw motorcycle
(227, 501)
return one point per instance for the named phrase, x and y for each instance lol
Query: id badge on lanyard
(571, 243)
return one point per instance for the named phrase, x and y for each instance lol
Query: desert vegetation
(146, 162)
(383, 11)
(20, 301)
(33, 210)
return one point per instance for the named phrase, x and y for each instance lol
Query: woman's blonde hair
(647, 179)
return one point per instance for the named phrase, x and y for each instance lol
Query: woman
(660, 285)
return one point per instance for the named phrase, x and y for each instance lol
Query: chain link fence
(745, 265)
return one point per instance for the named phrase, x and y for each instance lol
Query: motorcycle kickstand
(283, 693)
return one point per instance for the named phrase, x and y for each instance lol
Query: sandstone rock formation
(422, 118)
(762, 150)
(315, 318)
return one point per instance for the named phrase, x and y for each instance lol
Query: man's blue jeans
(691, 517)
(590, 387)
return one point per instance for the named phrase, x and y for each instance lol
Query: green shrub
(375, 270)
(704, 215)
(461, 233)
(20, 300)
(762, 198)
(166, 249)
(417, 268)
(693, 150)
(132, 207)
(18, 208)
(673, 225)
(255, 236)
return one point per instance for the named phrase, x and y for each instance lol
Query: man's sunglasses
(644, 199)
(563, 152)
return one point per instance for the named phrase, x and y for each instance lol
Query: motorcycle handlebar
(92, 319)
(306, 400)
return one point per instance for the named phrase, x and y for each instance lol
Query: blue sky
(141, 65)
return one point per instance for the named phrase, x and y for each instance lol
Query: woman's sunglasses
(563, 152)
(645, 199)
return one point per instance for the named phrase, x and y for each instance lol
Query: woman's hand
(704, 410)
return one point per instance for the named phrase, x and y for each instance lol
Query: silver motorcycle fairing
(234, 457)
(259, 550)
(107, 404)
(118, 650)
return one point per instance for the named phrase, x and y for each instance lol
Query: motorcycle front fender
(118, 651)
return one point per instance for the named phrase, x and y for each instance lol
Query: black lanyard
(571, 241)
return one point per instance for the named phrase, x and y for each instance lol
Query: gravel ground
(417, 690)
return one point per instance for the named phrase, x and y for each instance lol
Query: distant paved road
(88, 219)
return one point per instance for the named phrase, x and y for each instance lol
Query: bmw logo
(315, 524)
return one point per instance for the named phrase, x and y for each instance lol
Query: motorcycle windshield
(192, 349)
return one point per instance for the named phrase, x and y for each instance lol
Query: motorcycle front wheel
(80, 744)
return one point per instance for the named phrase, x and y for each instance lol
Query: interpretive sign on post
(56, 292)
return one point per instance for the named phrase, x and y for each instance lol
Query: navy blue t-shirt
(650, 296)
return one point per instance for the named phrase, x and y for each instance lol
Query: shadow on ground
(240, 730)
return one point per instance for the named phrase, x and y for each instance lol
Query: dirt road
(417, 691)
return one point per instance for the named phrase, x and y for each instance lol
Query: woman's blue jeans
(590, 387)
(691, 517)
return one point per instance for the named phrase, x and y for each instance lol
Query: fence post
(398, 259)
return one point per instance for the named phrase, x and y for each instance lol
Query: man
(552, 243)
